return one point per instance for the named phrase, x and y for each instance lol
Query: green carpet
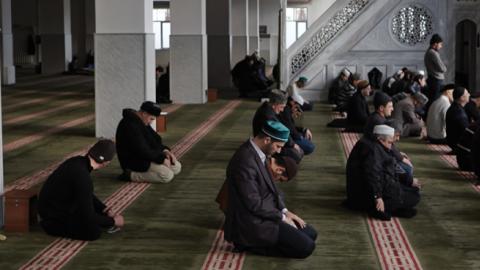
(172, 226)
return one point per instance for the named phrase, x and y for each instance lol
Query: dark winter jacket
(371, 174)
(67, 198)
(137, 144)
(358, 112)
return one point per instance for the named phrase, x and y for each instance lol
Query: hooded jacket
(137, 144)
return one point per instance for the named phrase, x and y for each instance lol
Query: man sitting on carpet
(373, 182)
(141, 152)
(257, 219)
(67, 206)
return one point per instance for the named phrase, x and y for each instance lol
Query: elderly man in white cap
(373, 184)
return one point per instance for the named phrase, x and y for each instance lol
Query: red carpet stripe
(121, 199)
(36, 137)
(391, 243)
(40, 176)
(451, 161)
(13, 120)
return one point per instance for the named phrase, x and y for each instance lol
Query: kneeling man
(256, 218)
(67, 206)
(141, 152)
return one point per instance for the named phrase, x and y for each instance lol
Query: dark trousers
(292, 243)
(437, 141)
(307, 106)
(73, 227)
(410, 198)
(434, 90)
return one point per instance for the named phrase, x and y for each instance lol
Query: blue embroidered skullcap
(276, 130)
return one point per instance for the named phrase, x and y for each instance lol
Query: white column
(89, 25)
(239, 30)
(188, 52)
(7, 44)
(78, 30)
(269, 42)
(283, 47)
(219, 43)
(253, 19)
(124, 60)
(2, 195)
(56, 37)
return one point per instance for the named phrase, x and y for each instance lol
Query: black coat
(472, 111)
(254, 204)
(66, 199)
(376, 119)
(370, 175)
(137, 144)
(357, 113)
(375, 78)
(456, 122)
(286, 118)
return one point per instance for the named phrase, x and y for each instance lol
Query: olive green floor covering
(172, 226)
(55, 147)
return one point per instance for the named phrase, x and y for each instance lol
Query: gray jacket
(435, 67)
(254, 204)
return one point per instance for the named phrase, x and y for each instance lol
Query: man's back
(456, 121)
(434, 65)
(137, 144)
(436, 123)
(64, 189)
(253, 205)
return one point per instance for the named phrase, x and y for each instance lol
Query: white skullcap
(346, 72)
(421, 72)
(383, 130)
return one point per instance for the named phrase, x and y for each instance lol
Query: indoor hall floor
(173, 226)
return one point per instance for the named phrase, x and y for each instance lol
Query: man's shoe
(125, 176)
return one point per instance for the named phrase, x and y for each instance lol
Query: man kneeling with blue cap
(256, 217)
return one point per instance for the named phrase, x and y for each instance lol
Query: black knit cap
(151, 108)
(436, 38)
(458, 92)
(381, 99)
(102, 151)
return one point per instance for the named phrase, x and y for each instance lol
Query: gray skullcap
(102, 151)
(383, 130)
(345, 72)
(356, 76)
(277, 97)
(421, 98)
(151, 108)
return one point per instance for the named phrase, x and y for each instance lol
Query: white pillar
(2, 195)
(188, 52)
(89, 25)
(56, 35)
(253, 20)
(78, 30)
(124, 60)
(283, 47)
(269, 18)
(219, 43)
(8, 69)
(239, 30)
